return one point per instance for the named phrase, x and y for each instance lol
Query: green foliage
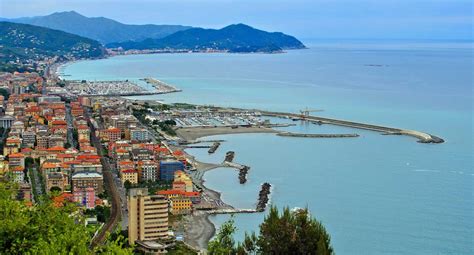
(180, 249)
(101, 29)
(153, 186)
(55, 189)
(116, 244)
(29, 162)
(127, 184)
(45, 229)
(280, 233)
(30, 42)
(167, 127)
(234, 38)
(224, 242)
(102, 212)
(4, 93)
(41, 229)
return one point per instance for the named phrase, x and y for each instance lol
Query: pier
(421, 136)
(161, 86)
(231, 211)
(243, 170)
(214, 147)
(318, 135)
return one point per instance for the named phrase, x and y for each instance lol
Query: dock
(231, 211)
(161, 86)
(289, 134)
(421, 136)
(214, 147)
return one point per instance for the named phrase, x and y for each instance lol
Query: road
(110, 187)
(70, 127)
(33, 173)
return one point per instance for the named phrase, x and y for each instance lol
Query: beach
(200, 229)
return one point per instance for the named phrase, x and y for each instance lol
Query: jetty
(214, 147)
(229, 156)
(243, 170)
(263, 197)
(198, 146)
(231, 211)
(160, 86)
(317, 135)
(421, 136)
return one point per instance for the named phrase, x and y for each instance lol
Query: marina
(114, 88)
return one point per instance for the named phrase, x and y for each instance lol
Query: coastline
(200, 228)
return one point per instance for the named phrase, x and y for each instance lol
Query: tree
(224, 242)
(127, 184)
(4, 93)
(43, 228)
(55, 189)
(289, 232)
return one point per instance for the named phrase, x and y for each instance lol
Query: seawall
(422, 137)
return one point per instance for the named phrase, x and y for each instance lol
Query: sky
(305, 19)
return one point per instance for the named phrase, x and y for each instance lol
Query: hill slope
(234, 38)
(101, 29)
(31, 42)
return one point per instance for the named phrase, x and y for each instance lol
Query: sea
(375, 194)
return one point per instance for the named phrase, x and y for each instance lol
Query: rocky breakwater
(229, 156)
(263, 197)
(214, 147)
(243, 174)
(317, 135)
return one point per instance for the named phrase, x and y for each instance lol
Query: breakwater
(229, 156)
(160, 86)
(263, 197)
(421, 136)
(243, 170)
(317, 135)
(214, 147)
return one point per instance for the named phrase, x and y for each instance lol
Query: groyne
(243, 170)
(263, 197)
(317, 135)
(421, 136)
(214, 147)
(161, 86)
(229, 156)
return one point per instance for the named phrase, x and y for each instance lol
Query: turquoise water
(375, 194)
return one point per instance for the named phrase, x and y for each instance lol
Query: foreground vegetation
(46, 229)
(291, 232)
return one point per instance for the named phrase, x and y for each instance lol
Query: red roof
(112, 130)
(56, 148)
(59, 122)
(26, 150)
(177, 192)
(88, 156)
(178, 153)
(16, 155)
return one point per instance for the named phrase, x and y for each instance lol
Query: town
(119, 160)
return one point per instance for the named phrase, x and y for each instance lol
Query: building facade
(147, 216)
(168, 168)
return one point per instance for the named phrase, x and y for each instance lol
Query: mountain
(31, 42)
(101, 29)
(233, 38)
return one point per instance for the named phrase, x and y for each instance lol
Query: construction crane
(305, 112)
